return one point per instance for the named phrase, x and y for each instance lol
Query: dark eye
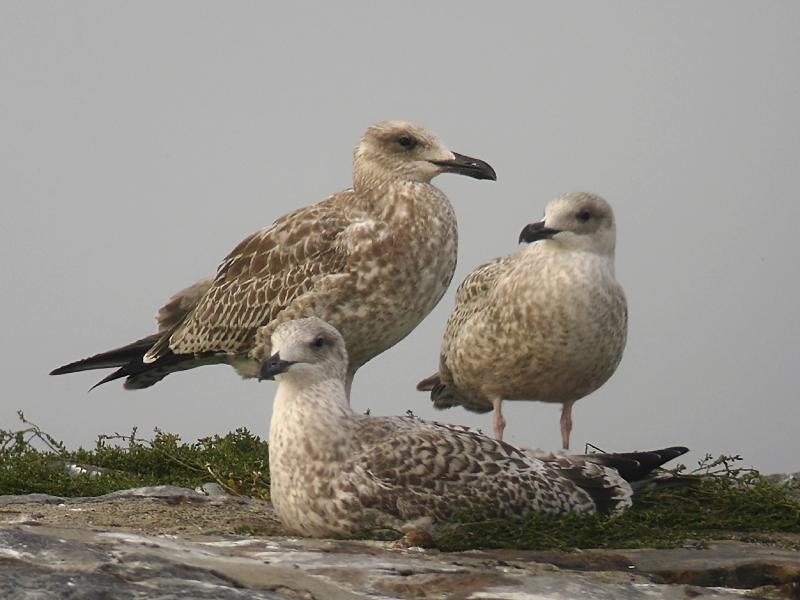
(584, 216)
(319, 342)
(406, 141)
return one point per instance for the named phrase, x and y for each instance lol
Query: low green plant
(238, 462)
(726, 499)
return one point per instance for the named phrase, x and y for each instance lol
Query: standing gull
(373, 260)
(334, 471)
(547, 323)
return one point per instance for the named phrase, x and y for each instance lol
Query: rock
(171, 542)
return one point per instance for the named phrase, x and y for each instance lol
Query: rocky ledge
(166, 542)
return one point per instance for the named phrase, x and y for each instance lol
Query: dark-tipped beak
(273, 366)
(535, 232)
(471, 167)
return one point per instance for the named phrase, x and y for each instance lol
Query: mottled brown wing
(440, 468)
(475, 291)
(471, 298)
(263, 275)
(181, 304)
(598, 476)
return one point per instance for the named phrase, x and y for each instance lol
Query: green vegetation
(238, 462)
(728, 501)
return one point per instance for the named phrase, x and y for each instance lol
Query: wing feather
(473, 296)
(442, 468)
(263, 276)
(475, 292)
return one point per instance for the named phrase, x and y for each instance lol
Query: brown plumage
(373, 260)
(334, 472)
(547, 323)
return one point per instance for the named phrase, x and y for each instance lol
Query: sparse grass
(728, 501)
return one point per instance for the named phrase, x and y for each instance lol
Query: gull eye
(319, 342)
(584, 216)
(406, 141)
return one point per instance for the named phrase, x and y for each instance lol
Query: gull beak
(465, 165)
(274, 365)
(535, 232)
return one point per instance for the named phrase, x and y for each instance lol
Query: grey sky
(140, 142)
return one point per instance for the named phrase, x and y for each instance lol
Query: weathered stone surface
(175, 543)
(159, 510)
(727, 564)
(49, 562)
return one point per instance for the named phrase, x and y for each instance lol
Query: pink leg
(566, 423)
(348, 383)
(499, 421)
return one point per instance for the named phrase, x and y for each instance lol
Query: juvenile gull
(334, 471)
(547, 323)
(373, 260)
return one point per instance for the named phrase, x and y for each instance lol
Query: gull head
(308, 350)
(396, 150)
(578, 221)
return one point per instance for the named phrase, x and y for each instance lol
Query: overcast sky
(141, 141)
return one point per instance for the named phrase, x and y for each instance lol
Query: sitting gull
(334, 472)
(373, 260)
(547, 323)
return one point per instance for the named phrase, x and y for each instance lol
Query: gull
(547, 323)
(374, 260)
(334, 472)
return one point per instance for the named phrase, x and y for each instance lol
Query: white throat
(307, 416)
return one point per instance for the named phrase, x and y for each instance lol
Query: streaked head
(580, 220)
(396, 150)
(308, 349)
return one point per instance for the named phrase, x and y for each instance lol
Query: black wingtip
(638, 466)
(118, 374)
(74, 367)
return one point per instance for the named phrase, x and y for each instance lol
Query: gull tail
(426, 385)
(445, 395)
